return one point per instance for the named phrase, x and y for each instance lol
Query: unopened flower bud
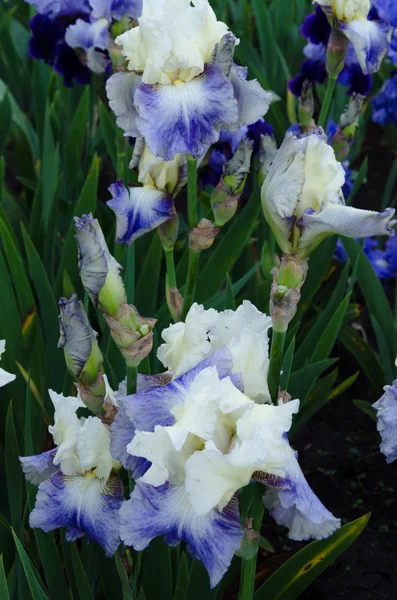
(285, 291)
(306, 105)
(82, 354)
(168, 232)
(347, 127)
(336, 53)
(132, 333)
(225, 196)
(174, 302)
(202, 236)
(99, 271)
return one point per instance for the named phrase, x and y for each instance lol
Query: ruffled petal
(138, 210)
(40, 467)
(297, 507)
(386, 408)
(343, 220)
(120, 90)
(85, 35)
(212, 538)
(186, 117)
(252, 100)
(116, 9)
(370, 40)
(85, 505)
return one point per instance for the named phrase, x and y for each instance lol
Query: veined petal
(185, 117)
(5, 377)
(370, 40)
(116, 9)
(122, 432)
(85, 505)
(386, 408)
(166, 510)
(252, 100)
(297, 507)
(222, 56)
(40, 467)
(120, 90)
(343, 220)
(87, 35)
(138, 210)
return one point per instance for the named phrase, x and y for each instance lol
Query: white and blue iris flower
(5, 377)
(78, 485)
(182, 87)
(386, 408)
(303, 201)
(94, 39)
(141, 209)
(370, 38)
(203, 439)
(116, 9)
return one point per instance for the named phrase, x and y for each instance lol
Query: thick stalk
(170, 266)
(193, 264)
(276, 362)
(248, 564)
(322, 120)
(132, 376)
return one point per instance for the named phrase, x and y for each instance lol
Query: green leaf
(86, 204)
(10, 322)
(374, 295)
(13, 471)
(4, 595)
(367, 408)
(34, 585)
(390, 183)
(330, 333)
(82, 584)
(49, 168)
(230, 302)
(386, 360)
(127, 591)
(75, 142)
(148, 280)
(218, 301)
(156, 571)
(361, 177)
(302, 381)
(225, 254)
(307, 564)
(183, 579)
(310, 341)
(365, 356)
(108, 133)
(52, 566)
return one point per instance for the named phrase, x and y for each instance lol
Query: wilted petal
(370, 40)
(166, 510)
(343, 220)
(386, 408)
(297, 507)
(252, 100)
(185, 117)
(120, 90)
(138, 210)
(85, 505)
(40, 467)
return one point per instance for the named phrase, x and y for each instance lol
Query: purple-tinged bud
(336, 53)
(202, 237)
(83, 357)
(225, 196)
(174, 302)
(306, 105)
(285, 291)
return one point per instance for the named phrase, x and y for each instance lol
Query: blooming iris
(182, 86)
(384, 262)
(303, 201)
(384, 104)
(200, 439)
(386, 408)
(61, 26)
(78, 485)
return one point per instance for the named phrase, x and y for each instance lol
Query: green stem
(132, 376)
(91, 122)
(194, 256)
(248, 565)
(322, 120)
(170, 266)
(276, 362)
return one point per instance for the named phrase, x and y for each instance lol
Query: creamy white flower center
(348, 10)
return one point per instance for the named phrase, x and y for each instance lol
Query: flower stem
(322, 120)
(248, 563)
(132, 376)
(194, 256)
(170, 266)
(276, 361)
